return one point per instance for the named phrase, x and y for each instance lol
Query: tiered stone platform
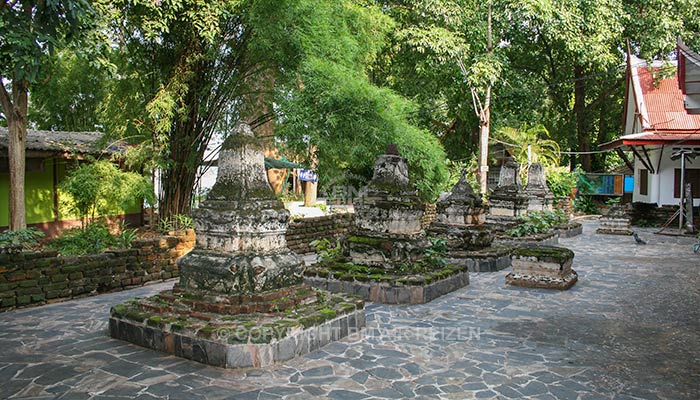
(237, 331)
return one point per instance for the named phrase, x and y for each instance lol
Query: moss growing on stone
(328, 313)
(558, 254)
(366, 240)
(206, 331)
(347, 307)
(129, 311)
(381, 277)
(155, 321)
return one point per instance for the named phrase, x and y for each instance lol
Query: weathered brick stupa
(385, 257)
(459, 220)
(241, 300)
(540, 198)
(509, 200)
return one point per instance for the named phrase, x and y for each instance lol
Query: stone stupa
(387, 229)
(508, 200)
(385, 256)
(540, 197)
(241, 300)
(459, 220)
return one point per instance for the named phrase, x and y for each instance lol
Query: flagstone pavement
(629, 329)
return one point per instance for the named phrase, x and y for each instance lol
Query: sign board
(307, 175)
(602, 184)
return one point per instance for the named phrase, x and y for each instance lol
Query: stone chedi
(508, 200)
(385, 255)
(241, 300)
(615, 222)
(387, 229)
(546, 267)
(459, 220)
(241, 245)
(540, 198)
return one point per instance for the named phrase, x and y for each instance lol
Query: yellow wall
(39, 195)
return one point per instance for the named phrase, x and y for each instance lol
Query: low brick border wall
(34, 278)
(304, 231)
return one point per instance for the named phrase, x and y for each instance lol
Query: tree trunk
(584, 140)
(485, 123)
(599, 160)
(484, 130)
(188, 141)
(16, 113)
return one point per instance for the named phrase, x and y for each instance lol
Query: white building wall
(660, 189)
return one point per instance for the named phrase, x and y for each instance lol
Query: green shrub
(94, 238)
(435, 254)
(561, 182)
(101, 188)
(537, 222)
(126, 236)
(176, 222)
(585, 204)
(22, 238)
(326, 250)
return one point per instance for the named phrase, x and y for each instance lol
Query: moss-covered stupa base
(238, 331)
(489, 259)
(416, 285)
(547, 267)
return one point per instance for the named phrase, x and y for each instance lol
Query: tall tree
(197, 65)
(29, 32)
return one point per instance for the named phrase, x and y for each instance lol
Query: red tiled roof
(664, 104)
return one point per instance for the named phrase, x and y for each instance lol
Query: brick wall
(429, 215)
(652, 215)
(33, 278)
(302, 232)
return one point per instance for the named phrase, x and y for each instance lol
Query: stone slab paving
(630, 329)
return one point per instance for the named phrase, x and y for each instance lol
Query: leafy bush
(353, 123)
(435, 254)
(94, 238)
(561, 182)
(585, 204)
(536, 222)
(101, 188)
(126, 236)
(176, 222)
(326, 250)
(530, 144)
(22, 238)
